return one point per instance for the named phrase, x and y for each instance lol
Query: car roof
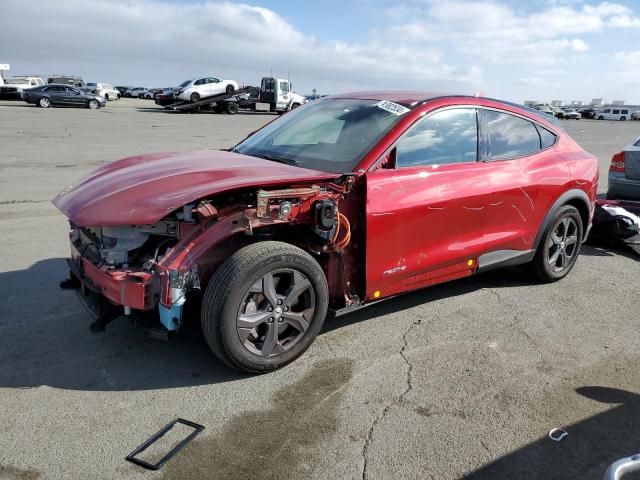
(412, 99)
(407, 98)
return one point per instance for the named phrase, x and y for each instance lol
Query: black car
(63, 95)
(588, 112)
(122, 89)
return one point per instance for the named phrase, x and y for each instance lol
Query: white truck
(13, 86)
(104, 89)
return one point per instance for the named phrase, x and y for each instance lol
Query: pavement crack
(396, 401)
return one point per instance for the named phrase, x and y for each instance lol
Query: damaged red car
(344, 201)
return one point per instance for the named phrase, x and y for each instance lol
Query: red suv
(346, 200)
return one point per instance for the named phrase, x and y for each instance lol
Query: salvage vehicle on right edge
(624, 173)
(341, 202)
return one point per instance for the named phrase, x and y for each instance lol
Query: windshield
(331, 135)
(185, 83)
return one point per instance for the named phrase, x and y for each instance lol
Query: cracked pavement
(461, 380)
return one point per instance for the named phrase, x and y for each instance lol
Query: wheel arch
(574, 197)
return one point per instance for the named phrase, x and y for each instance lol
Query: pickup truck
(13, 86)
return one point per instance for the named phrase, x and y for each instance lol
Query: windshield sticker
(391, 107)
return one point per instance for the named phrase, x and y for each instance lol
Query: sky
(515, 50)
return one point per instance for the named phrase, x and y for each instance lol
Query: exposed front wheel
(264, 306)
(44, 102)
(623, 118)
(560, 245)
(94, 104)
(194, 97)
(600, 117)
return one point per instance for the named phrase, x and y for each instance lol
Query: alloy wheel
(275, 312)
(562, 244)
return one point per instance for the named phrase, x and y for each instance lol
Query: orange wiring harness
(342, 220)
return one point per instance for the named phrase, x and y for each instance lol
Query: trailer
(274, 95)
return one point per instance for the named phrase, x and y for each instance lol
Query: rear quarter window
(509, 136)
(546, 137)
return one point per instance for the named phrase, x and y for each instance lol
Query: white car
(617, 113)
(137, 92)
(195, 89)
(104, 89)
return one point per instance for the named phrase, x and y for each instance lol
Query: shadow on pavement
(591, 446)
(45, 340)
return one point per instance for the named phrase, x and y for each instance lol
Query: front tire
(264, 306)
(600, 117)
(560, 245)
(44, 102)
(93, 104)
(195, 96)
(623, 119)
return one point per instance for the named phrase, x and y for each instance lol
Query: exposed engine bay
(180, 253)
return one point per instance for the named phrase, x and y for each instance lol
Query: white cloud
(446, 45)
(159, 43)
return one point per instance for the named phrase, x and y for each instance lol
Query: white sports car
(197, 88)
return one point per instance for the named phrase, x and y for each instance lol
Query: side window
(200, 81)
(284, 86)
(546, 137)
(625, 111)
(449, 136)
(509, 136)
(616, 112)
(212, 80)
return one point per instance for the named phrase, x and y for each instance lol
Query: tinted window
(625, 111)
(450, 136)
(284, 86)
(212, 80)
(546, 137)
(200, 81)
(510, 136)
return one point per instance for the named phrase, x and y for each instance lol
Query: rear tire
(623, 119)
(231, 108)
(245, 287)
(195, 96)
(559, 247)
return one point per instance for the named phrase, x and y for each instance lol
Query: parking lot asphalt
(461, 380)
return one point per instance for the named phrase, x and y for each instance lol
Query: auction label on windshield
(391, 107)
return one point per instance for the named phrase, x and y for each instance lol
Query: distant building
(597, 102)
(617, 103)
(557, 103)
(576, 103)
(532, 103)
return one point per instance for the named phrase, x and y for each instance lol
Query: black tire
(44, 102)
(540, 265)
(230, 89)
(229, 288)
(600, 117)
(231, 108)
(195, 96)
(294, 106)
(106, 95)
(127, 95)
(623, 119)
(93, 104)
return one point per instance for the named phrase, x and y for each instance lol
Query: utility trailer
(274, 95)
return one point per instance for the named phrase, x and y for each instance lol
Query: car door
(214, 86)
(426, 216)
(74, 96)
(527, 176)
(56, 94)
